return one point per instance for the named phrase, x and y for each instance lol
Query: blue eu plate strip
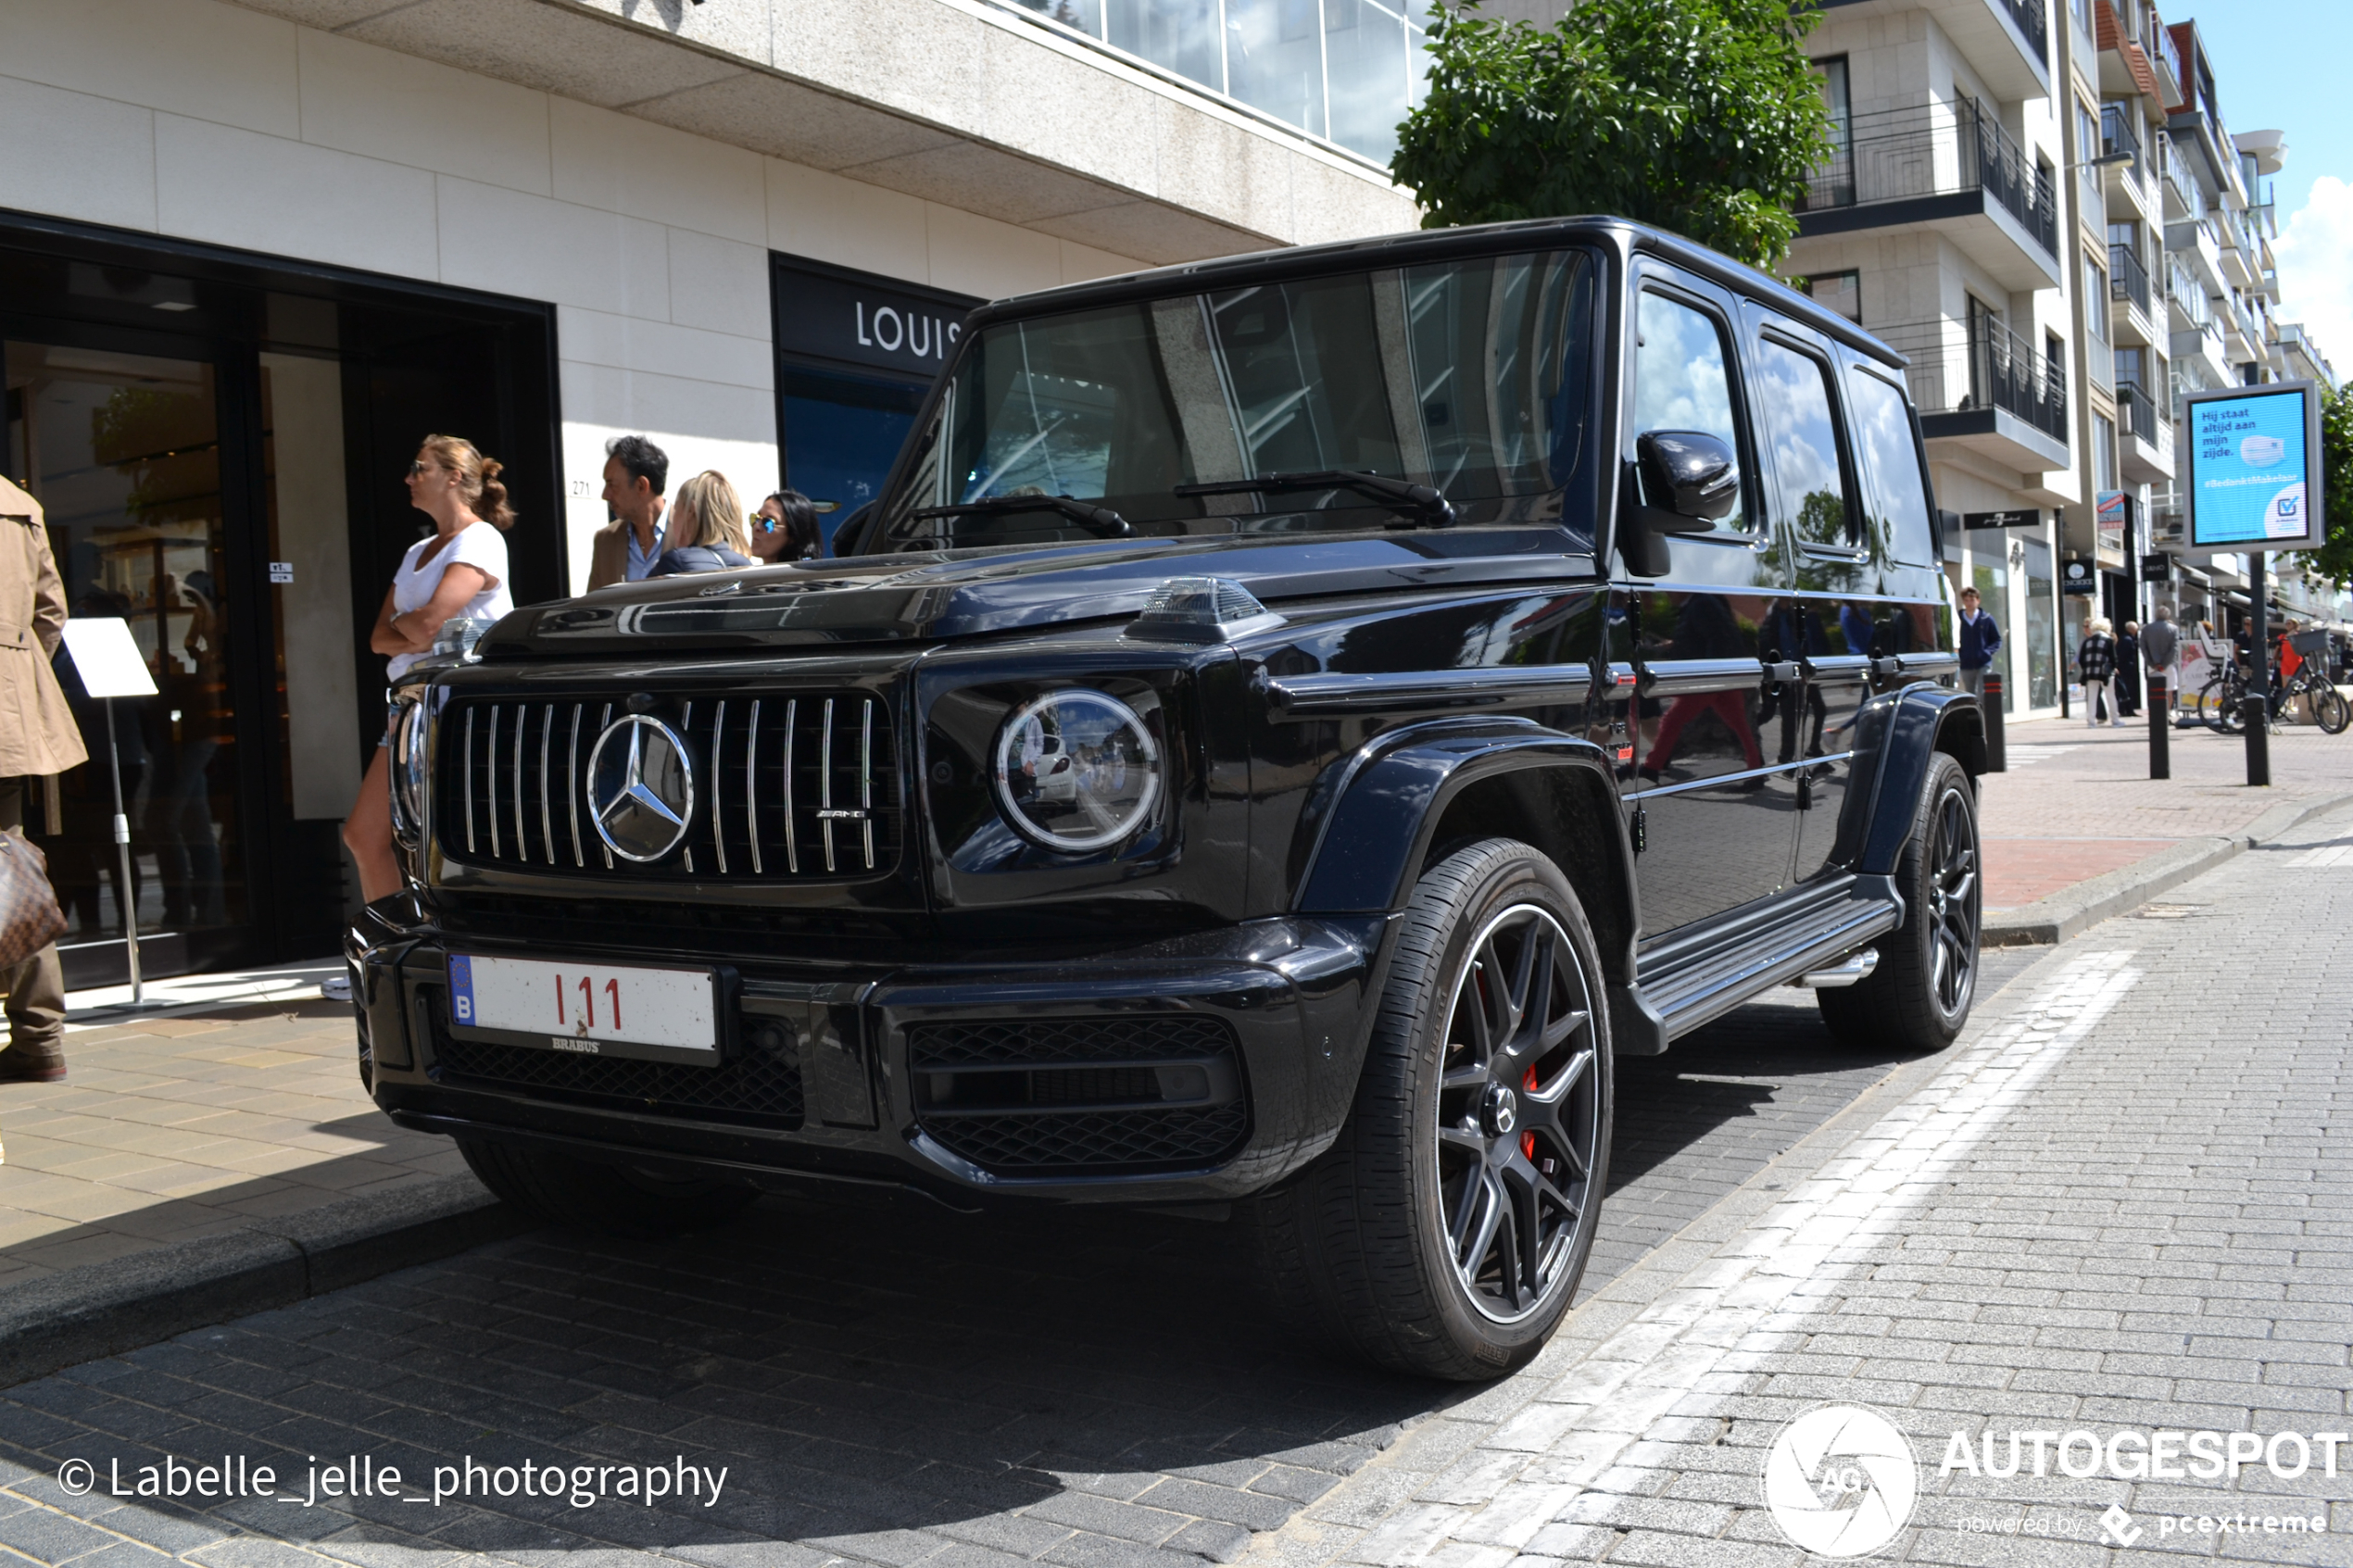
(462, 988)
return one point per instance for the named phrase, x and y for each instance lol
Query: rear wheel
(612, 1199)
(1444, 1233)
(1918, 997)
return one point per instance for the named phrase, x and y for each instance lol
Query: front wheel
(1918, 997)
(2330, 710)
(612, 1199)
(1444, 1233)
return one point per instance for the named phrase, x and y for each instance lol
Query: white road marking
(2323, 857)
(1764, 1282)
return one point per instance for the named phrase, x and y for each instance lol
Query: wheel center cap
(1499, 1109)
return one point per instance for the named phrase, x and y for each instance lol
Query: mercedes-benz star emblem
(641, 788)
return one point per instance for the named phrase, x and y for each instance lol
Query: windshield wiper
(1435, 510)
(1102, 519)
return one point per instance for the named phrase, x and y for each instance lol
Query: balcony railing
(2170, 53)
(2033, 20)
(2185, 185)
(2127, 279)
(1941, 150)
(1957, 371)
(2137, 412)
(2116, 135)
(2185, 290)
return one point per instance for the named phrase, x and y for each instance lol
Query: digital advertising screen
(2252, 469)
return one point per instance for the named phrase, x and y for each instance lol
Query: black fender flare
(1913, 725)
(1373, 821)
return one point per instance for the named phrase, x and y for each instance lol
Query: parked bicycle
(2220, 705)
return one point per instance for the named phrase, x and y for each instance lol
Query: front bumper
(1013, 1077)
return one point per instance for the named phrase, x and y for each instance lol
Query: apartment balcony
(2009, 41)
(2132, 307)
(2202, 346)
(1990, 393)
(2130, 193)
(2143, 436)
(1948, 170)
(2186, 307)
(2184, 202)
(2242, 267)
(2242, 339)
(2200, 248)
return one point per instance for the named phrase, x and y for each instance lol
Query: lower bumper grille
(759, 1087)
(1075, 1097)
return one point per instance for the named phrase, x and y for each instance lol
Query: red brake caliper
(1528, 1140)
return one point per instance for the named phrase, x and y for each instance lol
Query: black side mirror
(1689, 474)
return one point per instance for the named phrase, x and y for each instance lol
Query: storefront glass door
(124, 452)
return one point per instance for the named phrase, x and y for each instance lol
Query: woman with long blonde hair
(707, 529)
(456, 572)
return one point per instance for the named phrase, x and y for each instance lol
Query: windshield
(1472, 377)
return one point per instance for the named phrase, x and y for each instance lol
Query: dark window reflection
(123, 453)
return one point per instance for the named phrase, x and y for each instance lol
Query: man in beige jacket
(636, 473)
(38, 740)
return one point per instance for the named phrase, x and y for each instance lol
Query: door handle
(1887, 667)
(1784, 672)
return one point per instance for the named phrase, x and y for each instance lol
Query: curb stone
(103, 1308)
(2074, 909)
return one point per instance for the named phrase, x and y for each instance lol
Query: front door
(1712, 813)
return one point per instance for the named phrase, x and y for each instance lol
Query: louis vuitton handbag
(30, 919)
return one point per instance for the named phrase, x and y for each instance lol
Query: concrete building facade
(251, 253)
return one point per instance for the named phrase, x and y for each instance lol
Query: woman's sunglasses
(420, 466)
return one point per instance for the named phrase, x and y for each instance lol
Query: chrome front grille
(787, 787)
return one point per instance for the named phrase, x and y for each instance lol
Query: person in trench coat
(38, 741)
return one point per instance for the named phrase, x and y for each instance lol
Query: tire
(608, 1200)
(2330, 710)
(1472, 1108)
(2222, 704)
(1918, 997)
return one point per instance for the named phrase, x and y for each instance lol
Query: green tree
(1700, 116)
(2334, 559)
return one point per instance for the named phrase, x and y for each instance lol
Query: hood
(942, 595)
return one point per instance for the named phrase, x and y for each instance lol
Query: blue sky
(2280, 64)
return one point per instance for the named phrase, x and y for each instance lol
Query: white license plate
(583, 1007)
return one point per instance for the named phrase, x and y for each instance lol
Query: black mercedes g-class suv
(1287, 722)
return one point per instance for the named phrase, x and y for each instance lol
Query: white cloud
(2315, 253)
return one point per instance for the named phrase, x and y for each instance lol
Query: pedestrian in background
(1980, 640)
(785, 529)
(456, 572)
(2096, 664)
(38, 741)
(636, 477)
(2127, 670)
(2162, 651)
(707, 531)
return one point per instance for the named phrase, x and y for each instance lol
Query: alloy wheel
(1518, 1113)
(1954, 898)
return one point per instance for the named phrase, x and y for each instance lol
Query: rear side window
(1793, 400)
(1899, 498)
(1680, 379)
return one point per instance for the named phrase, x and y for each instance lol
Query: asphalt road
(865, 1378)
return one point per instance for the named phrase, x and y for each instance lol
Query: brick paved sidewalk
(171, 1128)
(2077, 802)
(2118, 1204)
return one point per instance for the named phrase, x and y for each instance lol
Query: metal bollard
(1997, 759)
(2160, 728)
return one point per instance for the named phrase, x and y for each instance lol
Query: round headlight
(1076, 769)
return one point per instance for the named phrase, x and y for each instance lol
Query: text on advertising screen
(2249, 463)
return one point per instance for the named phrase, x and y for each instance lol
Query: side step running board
(1846, 972)
(1692, 979)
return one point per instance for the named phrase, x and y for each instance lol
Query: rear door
(1713, 814)
(1813, 497)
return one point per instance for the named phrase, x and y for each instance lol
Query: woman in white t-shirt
(457, 572)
